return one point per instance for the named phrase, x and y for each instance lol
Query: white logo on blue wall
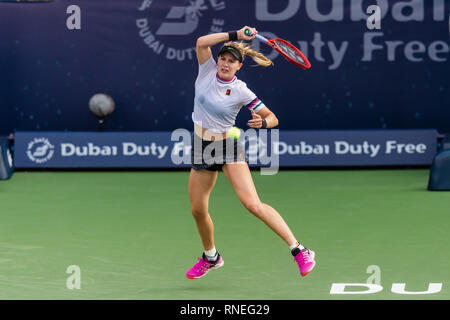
(179, 19)
(40, 150)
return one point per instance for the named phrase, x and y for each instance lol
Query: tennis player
(219, 96)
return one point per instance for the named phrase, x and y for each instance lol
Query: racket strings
(290, 52)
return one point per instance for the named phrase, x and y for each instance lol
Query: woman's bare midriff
(208, 135)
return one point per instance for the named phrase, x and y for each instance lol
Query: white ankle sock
(296, 244)
(211, 253)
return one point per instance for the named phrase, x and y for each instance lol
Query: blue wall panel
(130, 50)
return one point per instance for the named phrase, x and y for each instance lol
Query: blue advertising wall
(269, 149)
(141, 52)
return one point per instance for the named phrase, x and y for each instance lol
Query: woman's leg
(201, 183)
(240, 178)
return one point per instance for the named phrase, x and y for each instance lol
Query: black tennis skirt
(212, 155)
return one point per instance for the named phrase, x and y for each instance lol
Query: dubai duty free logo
(40, 150)
(164, 26)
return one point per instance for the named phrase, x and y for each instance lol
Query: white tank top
(217, 101)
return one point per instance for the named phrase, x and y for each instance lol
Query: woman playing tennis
(219, 96)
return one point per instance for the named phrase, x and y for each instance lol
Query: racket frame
(272, 43)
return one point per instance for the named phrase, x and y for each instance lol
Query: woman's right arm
(205, 43)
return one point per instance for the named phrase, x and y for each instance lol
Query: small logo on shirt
(228, 92)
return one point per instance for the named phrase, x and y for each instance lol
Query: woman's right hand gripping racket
(286, 49)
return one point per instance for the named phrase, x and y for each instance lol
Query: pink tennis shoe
(304, 259)
(203, 266)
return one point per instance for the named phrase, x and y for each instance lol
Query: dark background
(48, 73)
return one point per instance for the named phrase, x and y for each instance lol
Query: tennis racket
(286, 49)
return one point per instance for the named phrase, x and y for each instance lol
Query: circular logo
(40, 150)
(165, 26)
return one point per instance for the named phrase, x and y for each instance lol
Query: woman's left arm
(267, 115)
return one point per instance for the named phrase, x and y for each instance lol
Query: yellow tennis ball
(234, 133)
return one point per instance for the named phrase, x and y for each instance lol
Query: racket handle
(261, 38)
(257, 36)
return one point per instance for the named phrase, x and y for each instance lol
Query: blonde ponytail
(246, 50)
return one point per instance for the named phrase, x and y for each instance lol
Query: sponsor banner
(267, 148)
(356, 148)
(93, 149)
(142, 54)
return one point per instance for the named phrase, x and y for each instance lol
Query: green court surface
(133, 237)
